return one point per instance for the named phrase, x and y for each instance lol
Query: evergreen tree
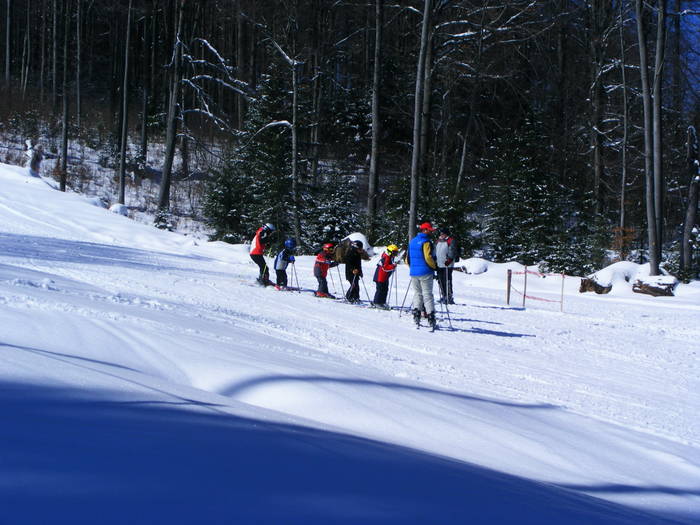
(254, 186)
(332, 212)
(532, 218)
(525, 212)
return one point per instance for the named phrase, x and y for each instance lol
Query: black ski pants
(264, 276)
(353, 293)
(444, 276)
(381, 293)
(281, 277)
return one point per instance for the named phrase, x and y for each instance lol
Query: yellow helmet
(392, 248)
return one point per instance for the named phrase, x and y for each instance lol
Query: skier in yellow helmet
(382, 274)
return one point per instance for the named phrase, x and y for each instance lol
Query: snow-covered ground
(144, 379)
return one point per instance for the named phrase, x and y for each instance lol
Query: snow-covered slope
(144, 379)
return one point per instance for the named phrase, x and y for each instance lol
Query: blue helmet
(290, 244)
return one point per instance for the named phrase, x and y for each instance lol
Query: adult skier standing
(353, 270)
(262, 239)
(422, 271)
(446, 255)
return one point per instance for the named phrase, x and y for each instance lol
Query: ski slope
(145, 379)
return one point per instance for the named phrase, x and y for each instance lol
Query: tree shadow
(631, 489)
(469, 320)
(91, 456)
(61, 250)
(484, 331)
(238, 388)
(66, 358)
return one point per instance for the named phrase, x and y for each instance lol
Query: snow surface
(145, 379)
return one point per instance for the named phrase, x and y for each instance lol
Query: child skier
(257, 248)
(324, 261)
(284, 257)
(382, 274)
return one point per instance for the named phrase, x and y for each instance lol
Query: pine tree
(254, 185)
(525, 213)
(332, 212)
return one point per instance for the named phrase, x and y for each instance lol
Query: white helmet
(269, 226)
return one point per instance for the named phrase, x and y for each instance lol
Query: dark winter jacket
(283, 259)
(420, 256)
(323, 262)
(385, 268)
(446, 252)
(353, 261)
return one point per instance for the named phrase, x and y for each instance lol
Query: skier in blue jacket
(422, 264)
(284, 257)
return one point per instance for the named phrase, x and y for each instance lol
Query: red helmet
(328, 246)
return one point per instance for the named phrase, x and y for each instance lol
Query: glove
(355, 271)
(448, 261)
(291, 259)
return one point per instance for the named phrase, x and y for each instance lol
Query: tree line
(548, 132)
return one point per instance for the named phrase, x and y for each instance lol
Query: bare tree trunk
(64, 92)
(78, 63)
(54, 64)
(625, 122)
(472, 107)
(418, 106)
(8, 25)
(648, 151)
(125, 111)
(295, 147)
(26, 54)
(145, 87)
(693, 159)
(317, 90)
(659, 183)
(462, 163)
(599, 11)
(376, 122)
(677, 57)
(43, 52)
(171, 133)
(184, 137)
(425, 113)
(240, 67)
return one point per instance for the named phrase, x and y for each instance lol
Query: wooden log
(656, 290)
(590, 285)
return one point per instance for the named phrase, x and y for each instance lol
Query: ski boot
(416, 316)
(431, 320)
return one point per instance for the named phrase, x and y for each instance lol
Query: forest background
(557, 133)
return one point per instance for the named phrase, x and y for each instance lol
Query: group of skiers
(424, 258)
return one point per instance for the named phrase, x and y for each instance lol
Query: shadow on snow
(85, 456)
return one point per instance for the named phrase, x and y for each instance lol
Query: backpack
(341, 249)
(454, 242)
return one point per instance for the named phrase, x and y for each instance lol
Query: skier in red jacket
(382, 274)
(324, 261)
(257, 248)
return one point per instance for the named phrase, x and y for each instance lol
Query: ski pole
(365, 287)
(404, 298)
(341, 280)
(335, 290)
(296, 277)
(352, 287)
(396, 286)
